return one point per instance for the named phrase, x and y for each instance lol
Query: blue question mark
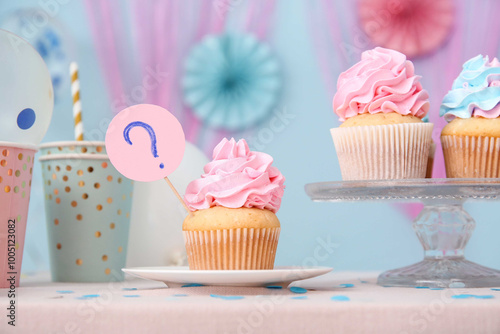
(151, 132)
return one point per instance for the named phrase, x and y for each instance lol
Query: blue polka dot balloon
(25, 91)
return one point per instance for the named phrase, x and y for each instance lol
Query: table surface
(339, 302)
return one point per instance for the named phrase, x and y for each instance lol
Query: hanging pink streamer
(161, 12)
(263, 25)
(250, 14)
(171, 53)
(143, 25)
(219, 20)
(101, 19)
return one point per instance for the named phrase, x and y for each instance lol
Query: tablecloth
(339, 302)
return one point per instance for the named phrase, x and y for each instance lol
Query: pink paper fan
(413, 27)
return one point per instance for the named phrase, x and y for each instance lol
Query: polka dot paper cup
(87, 204)
(16, 168)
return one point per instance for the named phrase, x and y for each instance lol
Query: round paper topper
(145, 142)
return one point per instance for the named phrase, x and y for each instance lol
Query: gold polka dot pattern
(89, 198)
(15, 181)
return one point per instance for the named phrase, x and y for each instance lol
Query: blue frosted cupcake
(471, 139)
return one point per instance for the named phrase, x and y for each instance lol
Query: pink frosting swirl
(236, 178)
(383, 81)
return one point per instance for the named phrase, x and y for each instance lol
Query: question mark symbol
(151, 132)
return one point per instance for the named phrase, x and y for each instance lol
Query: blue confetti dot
(131, 296)
(296, 289)
(462, 296)
(364, 282)
(299, 297)
(484, 296)
(162, 165)
(340, 298)
(86, 297)
(64, 291)
(26, 118)
(129, 289)
(276, 287)
(190, 285)
(495, 289)
(421, 287)
(180, 295)
(347, 285)
(227, 297)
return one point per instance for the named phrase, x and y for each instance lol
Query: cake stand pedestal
(443, 226)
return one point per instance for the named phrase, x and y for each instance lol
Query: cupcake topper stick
(77, 105)
(177, 194)
(146, 143)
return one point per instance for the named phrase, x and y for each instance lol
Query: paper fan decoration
(413, 27)
(231, 81)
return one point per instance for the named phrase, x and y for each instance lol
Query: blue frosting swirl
(472, 90)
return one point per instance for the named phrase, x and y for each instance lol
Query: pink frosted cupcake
(233, 224)
(381, 104)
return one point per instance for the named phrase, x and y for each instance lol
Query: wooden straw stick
(77, 105)
(177, 194)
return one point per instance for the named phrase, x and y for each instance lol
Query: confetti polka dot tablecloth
(339, 303)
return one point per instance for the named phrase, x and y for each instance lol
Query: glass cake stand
(443, 226)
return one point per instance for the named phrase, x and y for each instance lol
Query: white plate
(178, 276)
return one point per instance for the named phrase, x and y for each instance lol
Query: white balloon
(25, 91)
(157, 215)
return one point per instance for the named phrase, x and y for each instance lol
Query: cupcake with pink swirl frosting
(233, 224)
(381, 104)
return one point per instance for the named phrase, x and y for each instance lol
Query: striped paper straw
(77, 105)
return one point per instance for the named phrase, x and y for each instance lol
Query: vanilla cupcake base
(471, 156)
(232, 249)
(376, 152)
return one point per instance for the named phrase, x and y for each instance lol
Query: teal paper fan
(231, 81)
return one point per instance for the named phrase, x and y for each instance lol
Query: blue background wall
(367, 236)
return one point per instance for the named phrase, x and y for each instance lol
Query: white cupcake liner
(376, 152)
(232, 249)
(471, 157)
